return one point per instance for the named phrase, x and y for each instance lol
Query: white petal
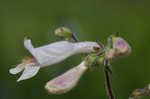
(17, 69)
(29, 72)
(28, 45)
(58, 51)
(52, 53)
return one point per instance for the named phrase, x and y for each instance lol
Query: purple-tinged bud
(122, 48)
(139, 93)
(66, 81)
(110, 54)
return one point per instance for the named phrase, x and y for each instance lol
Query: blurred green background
(90, 20)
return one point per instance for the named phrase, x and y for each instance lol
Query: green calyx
(100, 60)
(93, 60)
(111, 39)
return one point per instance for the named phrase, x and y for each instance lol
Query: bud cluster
(116, 47)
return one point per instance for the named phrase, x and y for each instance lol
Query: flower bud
(63, 32)
(66, 81)
(122, 48)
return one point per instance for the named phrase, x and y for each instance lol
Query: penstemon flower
(50, 54)
(58, 51)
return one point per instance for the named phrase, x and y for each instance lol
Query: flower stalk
(107, 79)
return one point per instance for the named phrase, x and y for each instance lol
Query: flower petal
(29, 72)
(58, 51)
(17, 69)
(66, 81)
(28, 45)
(53, 53)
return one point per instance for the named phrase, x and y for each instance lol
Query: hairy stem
(108, 84)
(107, 80)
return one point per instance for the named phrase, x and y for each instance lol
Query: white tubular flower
(48, 55)
(30, 67)
(66, 81)
(58, 51)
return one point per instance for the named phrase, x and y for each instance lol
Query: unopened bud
(121, 47)
(66, 81)
(63, 32)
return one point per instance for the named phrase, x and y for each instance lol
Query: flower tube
(58, 51)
